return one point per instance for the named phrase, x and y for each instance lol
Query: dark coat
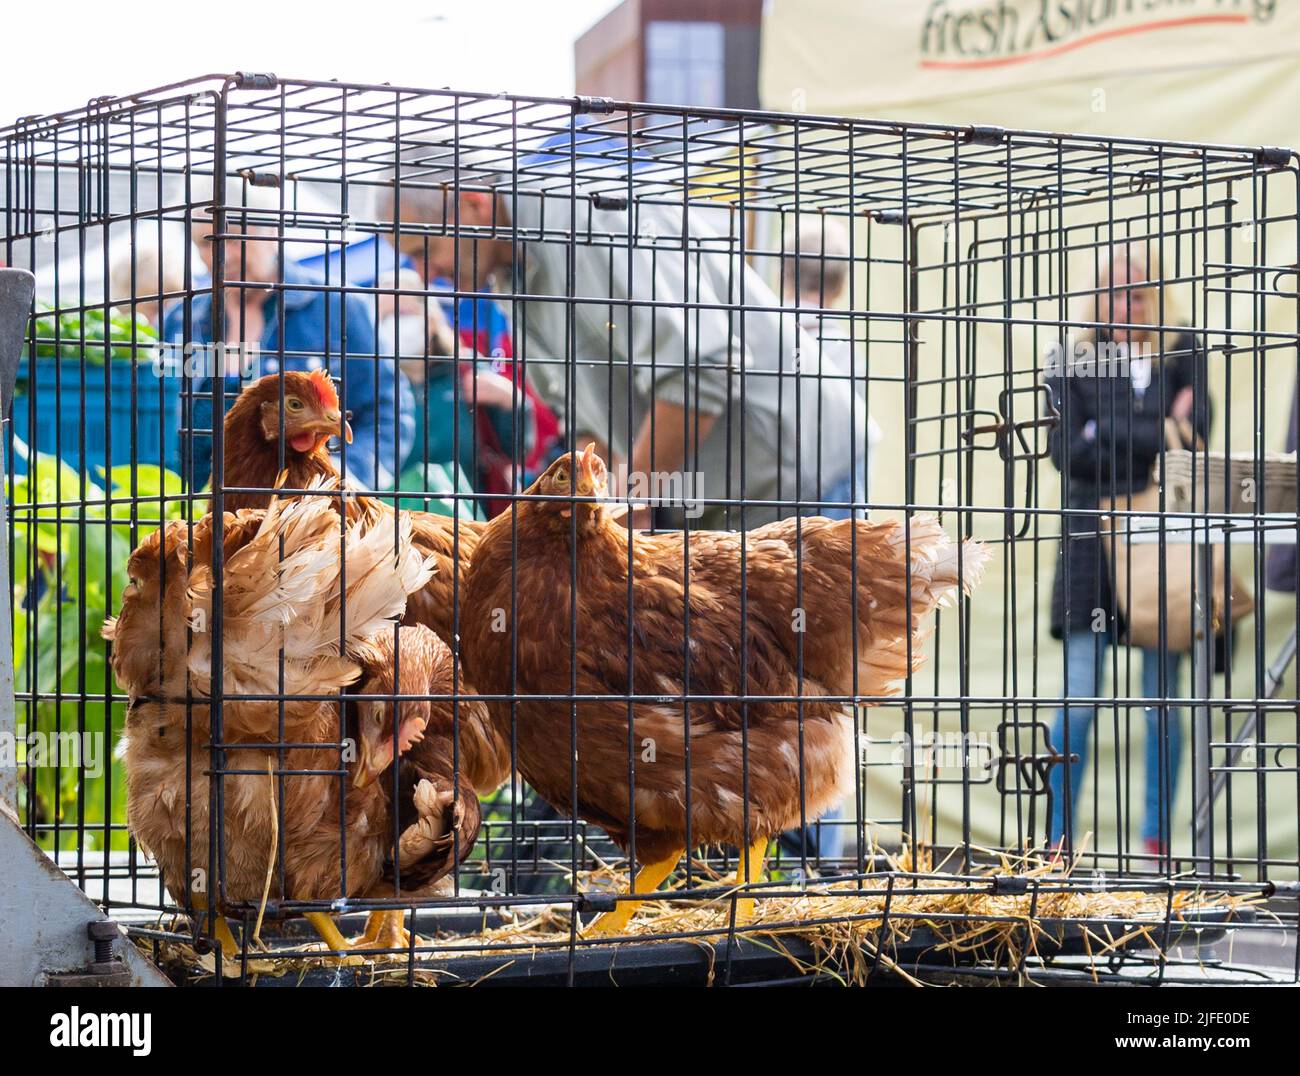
(1108, 438)
(1280, 571)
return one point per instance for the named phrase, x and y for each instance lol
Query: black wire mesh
(613, 238)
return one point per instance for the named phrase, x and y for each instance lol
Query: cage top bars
(761, 159)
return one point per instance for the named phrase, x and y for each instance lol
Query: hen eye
(293, 404)
(562, 477)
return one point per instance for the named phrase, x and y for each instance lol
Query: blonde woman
(1114, 387)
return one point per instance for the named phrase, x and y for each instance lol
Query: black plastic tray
(738, 961)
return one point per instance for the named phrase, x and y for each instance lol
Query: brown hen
(282, 603)
(310, 416)
(756, 769)
(439, 812)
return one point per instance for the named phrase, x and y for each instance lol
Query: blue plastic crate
(155, 417)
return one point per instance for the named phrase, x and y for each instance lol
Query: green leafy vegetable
(72, 538)
(66, 335)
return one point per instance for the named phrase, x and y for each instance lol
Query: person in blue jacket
(269, 323)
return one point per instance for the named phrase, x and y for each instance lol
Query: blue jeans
(827, 842)
(843, 491)
(819, 841)
(1086, 662)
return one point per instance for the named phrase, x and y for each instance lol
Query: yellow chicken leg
(757, 857)
(220, 931)
(384, 930)
(329, 933)
(647, 880)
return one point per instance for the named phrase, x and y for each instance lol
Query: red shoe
(1055, 851)
(1154, 847)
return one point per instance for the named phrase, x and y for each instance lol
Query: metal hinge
(255, 80)
(594, 106)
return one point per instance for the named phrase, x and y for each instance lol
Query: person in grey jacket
(668, 350)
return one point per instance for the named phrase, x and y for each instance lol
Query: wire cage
(759, 319)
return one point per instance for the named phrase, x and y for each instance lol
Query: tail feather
(939, 565)
(926, 566)
(378, 583)
(290, 587)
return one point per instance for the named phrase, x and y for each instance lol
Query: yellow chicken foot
(384, 930)
(329, 933)
(757, 857)
(647, 880)
(366, 939)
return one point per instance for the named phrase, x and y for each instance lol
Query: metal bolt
(103, 933)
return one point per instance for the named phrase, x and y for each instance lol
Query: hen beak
(316, 431)
(375, 748)
(374, 755)
(331, 422)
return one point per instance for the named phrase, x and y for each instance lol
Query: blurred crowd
(450, 380)
(450, 377)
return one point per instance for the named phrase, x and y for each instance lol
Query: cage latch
(609, 201)
(1011, 440)
(1045, 417)
(1003, 430)
(1033, 771)
(995, 426)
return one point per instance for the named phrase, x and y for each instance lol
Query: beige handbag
(1136, 568)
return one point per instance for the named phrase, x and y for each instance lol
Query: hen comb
(325, 390)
